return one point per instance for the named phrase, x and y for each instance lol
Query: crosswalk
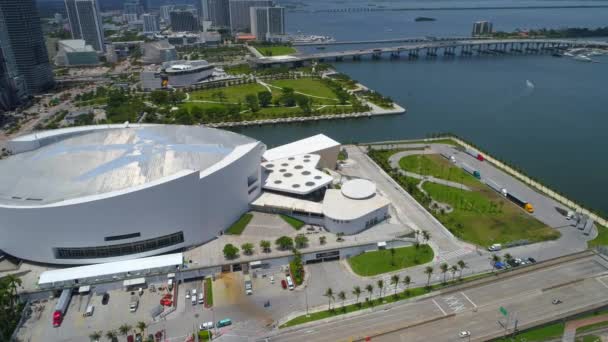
(445, 256)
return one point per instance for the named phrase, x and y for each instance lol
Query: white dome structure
(112, 192)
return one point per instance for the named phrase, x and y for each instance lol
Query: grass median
(292, 221)
(389, 260)
(275, 50)
(437, 166)
(208, 292)
(602, 237)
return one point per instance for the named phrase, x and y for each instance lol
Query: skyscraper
(240, 17)
(219, 12)
(151, 23)
(85, 22)
(203, 10)
(24, 63)
(184, 20)
(267, 22)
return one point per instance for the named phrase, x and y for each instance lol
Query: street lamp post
(306, 295)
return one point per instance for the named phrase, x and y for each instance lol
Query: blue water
(554, 131)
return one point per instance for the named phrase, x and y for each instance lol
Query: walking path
(571, 326)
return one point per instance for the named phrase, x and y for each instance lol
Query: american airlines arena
(105, 193)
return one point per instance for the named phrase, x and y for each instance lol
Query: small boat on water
(320, 47)
(424, 19)
(557, 54)
(583, 58)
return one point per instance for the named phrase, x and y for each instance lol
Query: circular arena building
(112, 192)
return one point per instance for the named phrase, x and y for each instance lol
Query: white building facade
(98, 194)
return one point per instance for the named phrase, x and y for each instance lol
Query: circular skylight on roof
(287, 174)
(282, 170)
(284, 164)
(291, 158)
(307, 160)
(278, 182)
(307, 156)
(295, 186)
(318, 177)
(298, 167)
(306, 173)
(310, 183)
(270, 166)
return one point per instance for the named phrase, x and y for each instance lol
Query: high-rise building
(482, 28)
(151, 23)
(24, 63)
(267, 22)
(240, 17)
(203, 10)
(133, 9)
(85, 22)
(165, 12)
(183, 20)
(219, 12)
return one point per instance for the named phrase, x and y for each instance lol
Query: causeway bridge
(432, 49)
(385, 41)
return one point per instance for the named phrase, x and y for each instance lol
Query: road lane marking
(469, 299)
(602, 282)
(440, 308)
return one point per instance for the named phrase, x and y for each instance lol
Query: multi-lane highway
(527, 298)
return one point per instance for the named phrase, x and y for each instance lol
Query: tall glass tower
(25, 62)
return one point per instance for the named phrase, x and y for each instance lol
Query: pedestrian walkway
(571, 326)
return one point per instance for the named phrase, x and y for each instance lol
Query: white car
(272, 279)
(206, 326)
(187, 294)
(464, 334)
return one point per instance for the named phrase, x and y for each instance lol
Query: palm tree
(395, 282)
(95, 336)
(428, 271)
(508, 257)
(141, 326)
(370, 289)
(125, 329)
(462, 265)
(406, 281)
(357, 293)
(329, 293)
(426, 236)
(444, 269)
(417, 234)
(247, 248)
(111, 335)
(495, 259)
(453, 269)
(342, 297)
(380, 284)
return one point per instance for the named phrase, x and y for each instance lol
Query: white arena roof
(110, 268)
(309, 145)
(340, 207)
(295, 175)
(96, 161)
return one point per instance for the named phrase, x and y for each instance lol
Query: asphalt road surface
(528, 297)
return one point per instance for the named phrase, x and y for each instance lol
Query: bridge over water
(431, 49)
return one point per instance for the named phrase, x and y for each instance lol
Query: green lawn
(589, 338)
(204, 335)
(437, 166)
(294, 222)
(484, 217)
(365, 303)
(308, 86)
(208, 292)
(232, 94)
(239, 226)
(602, 237)
(275, 50)
(382, 261)
(543, 333)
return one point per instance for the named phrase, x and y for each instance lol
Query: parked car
(531, 259)
(272, 279)
(224, 322)
(499, 265)
(284, 284)
(187, 294)
(556, 301)
(130, 338)
(105, 299)
(166, 302)
(464, 334)
(206, 326)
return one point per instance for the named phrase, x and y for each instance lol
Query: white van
(201, 300)
(193, 297)
(290, 283)
(495, 247)
(90, 310)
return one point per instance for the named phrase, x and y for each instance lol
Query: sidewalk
(571, 326)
